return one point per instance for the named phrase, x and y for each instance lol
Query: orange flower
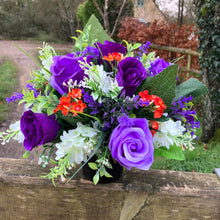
(75, 93)
(66, 105)
(77, 107)
(114, 56)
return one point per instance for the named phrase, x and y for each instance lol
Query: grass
(8, 82)
(203, 159)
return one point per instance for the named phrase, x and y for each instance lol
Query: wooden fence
(187, 52)
(138, 195)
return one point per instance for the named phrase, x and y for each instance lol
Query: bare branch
(103, 14)
(119, 15)
(98, 8)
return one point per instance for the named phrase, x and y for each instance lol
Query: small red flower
(145, 96)
(158, 102)
(160, 106)
(155, 126)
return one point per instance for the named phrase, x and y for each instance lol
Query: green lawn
(8, 83)
(203, 159)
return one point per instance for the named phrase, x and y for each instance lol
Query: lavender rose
(64, 68)
(131, 143)
(130, 74)
(38, 128)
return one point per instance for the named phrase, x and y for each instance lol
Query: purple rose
(158, 66)
(38, 128)
(131, 143)
(130, 74)
(111, 47)
(64, 68)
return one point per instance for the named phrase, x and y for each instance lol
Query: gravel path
(24, 66)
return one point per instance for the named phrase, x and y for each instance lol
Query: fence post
(188, 64)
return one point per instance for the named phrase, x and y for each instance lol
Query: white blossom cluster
(78, 142)
(170, 133)
(13, 132)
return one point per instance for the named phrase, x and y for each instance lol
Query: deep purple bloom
(131, 73)
(131, 143)
(91, 53)
(64, 68)
(111, 47)
(38, 128)
(157, 66)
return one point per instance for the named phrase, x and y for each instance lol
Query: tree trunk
(207, 17)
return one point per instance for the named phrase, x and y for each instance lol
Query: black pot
(116, 171)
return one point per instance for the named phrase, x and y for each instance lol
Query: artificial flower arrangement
(113, 101)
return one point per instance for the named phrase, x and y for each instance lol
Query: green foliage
(208, 21)
(61, 169)
(174, 152)
(191, 87)
(101, 166)
(93, 31)
(203, 159)
(87, 9)
(162, 85)
(44, 20)
(8, 82)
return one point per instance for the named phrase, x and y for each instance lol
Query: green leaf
(96, 178)
(162, 85)
(191, 87)
(93, 166)
(50, 110)
(26, 154)
(174, 152)
(96, 31)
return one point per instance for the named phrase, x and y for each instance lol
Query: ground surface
(24, 66)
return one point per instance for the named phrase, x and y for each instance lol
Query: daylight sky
(168, 5)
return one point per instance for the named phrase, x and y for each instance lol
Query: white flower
(78, 142)
(168, 133)
(16, 128)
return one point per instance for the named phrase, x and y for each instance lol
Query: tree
(180, 12)
(108, 12)
(208, 21)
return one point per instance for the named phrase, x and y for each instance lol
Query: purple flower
(111, 47)
(91, 53)
(131, 143)
(38, 128)
(157, 66)
(31, 88)
(14, 97)
(64, 68)
(143, 49)
(130, 74)
(182, 110)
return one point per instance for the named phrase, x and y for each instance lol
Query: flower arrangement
(115, 101)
